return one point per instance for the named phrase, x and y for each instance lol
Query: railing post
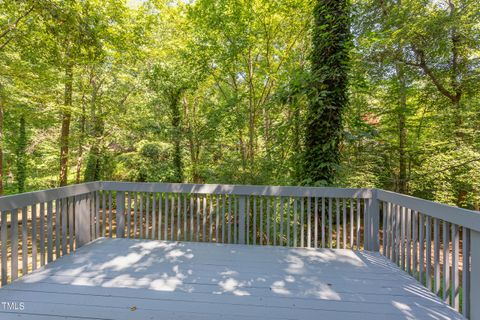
(373, 237)
(241, 220)
(83, 220)
(121, 214)
(474, 275)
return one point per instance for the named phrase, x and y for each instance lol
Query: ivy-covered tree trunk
(328, 95)
(21, 156)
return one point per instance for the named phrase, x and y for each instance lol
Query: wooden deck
(141, 279)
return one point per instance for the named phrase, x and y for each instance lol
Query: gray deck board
(143, 279)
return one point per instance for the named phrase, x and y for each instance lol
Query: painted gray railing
(406, 230)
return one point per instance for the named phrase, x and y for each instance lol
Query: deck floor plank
(144, 279)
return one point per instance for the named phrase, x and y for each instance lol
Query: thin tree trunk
(21, 156)
(80, 145)
(177, 136)
(402, 129)
(66, 119)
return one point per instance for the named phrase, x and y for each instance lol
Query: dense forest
(243, 91)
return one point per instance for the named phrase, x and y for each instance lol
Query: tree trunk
(402, 129)
(21, 156)
(177, 136)
(66, 118)
(328, 96)
(80, 145)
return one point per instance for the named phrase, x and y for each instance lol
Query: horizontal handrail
(245, 190)
(30, 198)
(462, 217)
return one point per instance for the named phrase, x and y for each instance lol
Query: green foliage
(252, 92)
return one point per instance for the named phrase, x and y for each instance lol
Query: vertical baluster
(129, 213)
(288, 221)
(387, 229)
(247, 217)
(398, 238)
(217, 221)
(140, 218)
(315, 234)
(64, 226)
(409, 240)
(261, 221)
(337, 221)
(344, 210)
(415, 243)
(154, 214)
(42, 234)
(14, 242)
(179, 216)
(466, 271)
(172, 217)
(358, 224)
(210, 218)
(366, 224)
(281, 222)
(204, 214)
(385, 226)
(421, 248)
(198, 221)
(274, 221)
(49, 232)
(104, 208)
(394, 233)
(57, 228)
(302, 222)
(160, 215)
(351, 223)
(223, 217)
(71, 230)
(436, 256)
(4, 237)
(235, 219)
(110, 214)
(446, 262)
(185, 217)
(309, 222)
(455, 269)
(428, 253)
(254, 199)
(295, 222)
(330, 223)
(34, 237)
(135, 212)
(166, 207)
(147, 215)
(97, 213)
(268, 220)
(192, 222)
(403, 237)
(25, 241)
(323, 222)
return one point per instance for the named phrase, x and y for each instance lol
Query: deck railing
(437, 244)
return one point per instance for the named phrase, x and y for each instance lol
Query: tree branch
(14, 25)
(423, 65)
